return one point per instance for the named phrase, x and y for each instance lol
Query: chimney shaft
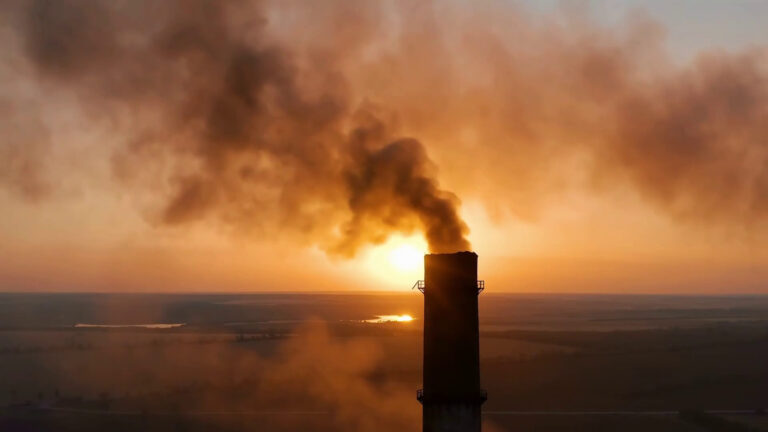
(452, 396)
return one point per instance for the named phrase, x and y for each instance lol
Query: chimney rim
(452, 253)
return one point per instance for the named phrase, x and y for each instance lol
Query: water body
(498, 312)
(146, 326)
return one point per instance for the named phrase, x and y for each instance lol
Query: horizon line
(393, 292)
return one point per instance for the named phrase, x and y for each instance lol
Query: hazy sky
(599, 146)
(691, 25)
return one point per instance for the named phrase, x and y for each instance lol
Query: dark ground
(249, 363)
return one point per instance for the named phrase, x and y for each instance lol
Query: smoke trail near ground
(277, 117)
(313, 380)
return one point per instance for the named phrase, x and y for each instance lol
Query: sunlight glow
(380, 319)
(393, 265)
(406, 257)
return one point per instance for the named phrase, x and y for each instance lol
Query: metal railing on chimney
(421, 286)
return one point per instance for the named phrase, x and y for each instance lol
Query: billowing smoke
(281, 117)
(531, 107)
(22, 152)
(244, 133)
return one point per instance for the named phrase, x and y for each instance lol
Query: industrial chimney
(451, 396)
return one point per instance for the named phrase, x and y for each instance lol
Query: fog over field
(284, 362)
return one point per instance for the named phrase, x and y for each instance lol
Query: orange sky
(67, 247)
(585, 157)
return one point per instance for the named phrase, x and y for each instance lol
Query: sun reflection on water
(380, 319)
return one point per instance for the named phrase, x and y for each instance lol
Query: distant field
(240, 362)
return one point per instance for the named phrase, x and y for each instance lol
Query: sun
(395, 264)
(406, 257)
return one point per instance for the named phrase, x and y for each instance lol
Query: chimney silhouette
(451, 396)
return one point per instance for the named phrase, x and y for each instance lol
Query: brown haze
(320, 123)
(243, 134)
(330, 380)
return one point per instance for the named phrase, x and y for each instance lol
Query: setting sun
(406, 257)
(395, 264)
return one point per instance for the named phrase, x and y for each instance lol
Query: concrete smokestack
(451, 396)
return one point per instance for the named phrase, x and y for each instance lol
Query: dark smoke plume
(243, 134)
(25, 142)
(292, 118)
